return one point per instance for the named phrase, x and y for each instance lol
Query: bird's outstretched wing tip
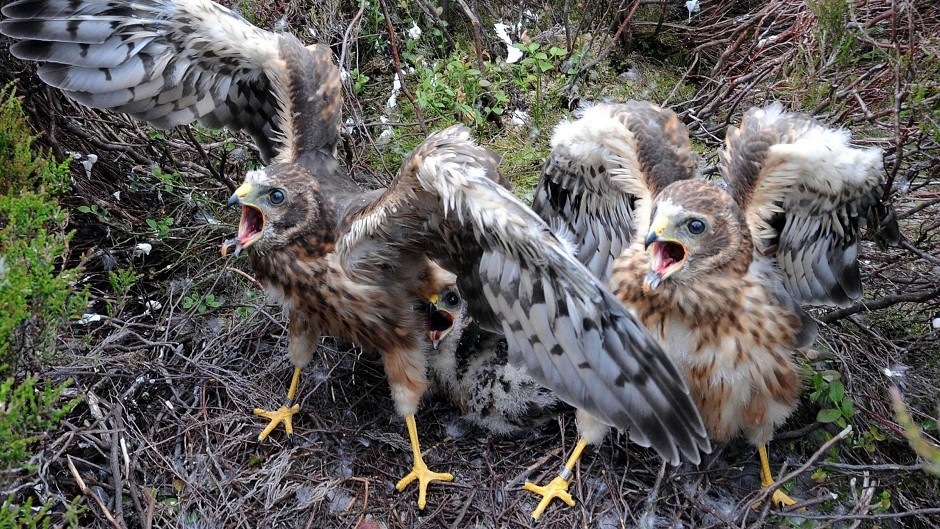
(167, 62)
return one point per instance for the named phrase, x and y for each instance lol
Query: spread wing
(570, 332)
(602, 173)
(805, 192)
(170, 62)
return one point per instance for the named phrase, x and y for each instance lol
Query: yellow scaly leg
(420, 470)
(282, 414)
(558, 487)
(780, 499)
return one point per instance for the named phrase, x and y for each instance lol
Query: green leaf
(828, 415)
(836, 391)
(848, 408)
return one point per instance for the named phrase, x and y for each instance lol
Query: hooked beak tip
(652, 280)
(233, 201)
(231, 246)
(650, 239)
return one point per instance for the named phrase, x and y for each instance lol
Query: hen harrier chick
(471, 366)
(354, 264)
(583, 199)
(718, 274)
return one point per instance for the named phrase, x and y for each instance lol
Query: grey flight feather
(172, 63)
(603, 171)
(569, 331)
(806, 193)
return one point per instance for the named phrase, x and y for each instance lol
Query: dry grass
(165, 436)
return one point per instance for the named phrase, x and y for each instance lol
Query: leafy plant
(836, 43)
(25, 516)
(359, 80)
(28, 408)
(123, 280)
(93, 209)
(532, 68)
(161, 227)
(247, 307)
(170, 181)
(838, 408)
(455, 88)
(829, 393)
(202, 303)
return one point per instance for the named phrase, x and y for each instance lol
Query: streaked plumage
(350, 263)
(471, 367)
(718, 274)
(586, 193)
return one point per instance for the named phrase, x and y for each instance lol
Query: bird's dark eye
(696, 226)
(451, 299)
(277, 196)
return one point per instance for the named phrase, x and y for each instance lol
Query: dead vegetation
(184, 345)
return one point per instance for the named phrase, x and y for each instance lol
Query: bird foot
(780, 500)
(424, 476)
(556, 488)
(282, 414)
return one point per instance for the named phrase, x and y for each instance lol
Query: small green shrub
(161, 228)
(454, 88)
(35, 292)
(836, 42)
(23, 516)
(36, 297)
(533, 67)
(27, 409)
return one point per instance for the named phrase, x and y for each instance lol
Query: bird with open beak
(252, 222)
(350, 263)
(667, 252)
(718, 274)
(470, 366)
(446, 311)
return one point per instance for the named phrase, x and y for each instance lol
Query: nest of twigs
(165, 436)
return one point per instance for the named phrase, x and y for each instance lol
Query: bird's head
(695, 228)
(446, 311)
(279, 204)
